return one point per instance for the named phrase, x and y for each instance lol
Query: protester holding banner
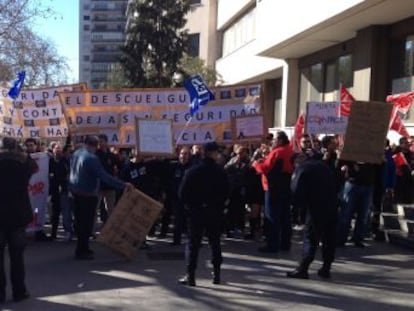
(204, 191)
(86, 172)
(15, 214)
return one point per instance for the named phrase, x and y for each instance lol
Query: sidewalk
(378, 277)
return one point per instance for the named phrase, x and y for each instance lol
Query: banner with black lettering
(35, 113)
(114, 112)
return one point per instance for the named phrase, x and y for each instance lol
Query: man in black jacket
(203, 192)
(314, 189)
(15, 214)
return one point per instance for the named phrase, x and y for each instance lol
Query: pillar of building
(290, 93)
(371, 63)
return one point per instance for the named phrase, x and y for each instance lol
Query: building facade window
(86, 27)
(239, 33)
(345, 71)
(322, 81)
(86, 17)
(338, 72)
(409, 57)
(194, 44)
(86, 58)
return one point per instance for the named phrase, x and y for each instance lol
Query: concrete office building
(303, 50)
(201, 23)
(101, 33)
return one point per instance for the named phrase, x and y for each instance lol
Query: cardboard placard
(130, 222)
(366, 132)
(248, 127)
(324, 118)
(154, 137)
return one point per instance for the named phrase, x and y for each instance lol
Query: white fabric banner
(39, 191)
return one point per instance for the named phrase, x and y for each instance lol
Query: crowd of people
(258, 192)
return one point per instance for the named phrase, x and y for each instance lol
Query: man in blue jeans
(276, 170)
(357, 198)
(86, 172)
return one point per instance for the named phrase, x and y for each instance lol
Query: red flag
(396, 123)
(298, 132)
(346, 101)
(402, 101)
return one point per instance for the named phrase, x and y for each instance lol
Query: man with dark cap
(15, 214)
(314, 190)
(203, 192)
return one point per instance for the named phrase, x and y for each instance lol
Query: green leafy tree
(194, 65)
(156, 41)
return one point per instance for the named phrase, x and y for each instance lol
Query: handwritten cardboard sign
(366, 133)
(154, 137)
(324, 118)
(130, 222)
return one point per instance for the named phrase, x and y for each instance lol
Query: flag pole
(182, 131)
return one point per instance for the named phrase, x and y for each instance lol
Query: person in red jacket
(276, 170)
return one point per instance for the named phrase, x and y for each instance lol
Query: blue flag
(199, 92)
(17, 85)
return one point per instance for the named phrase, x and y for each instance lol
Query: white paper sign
(324, 118)
(247, 127)
(154, 136)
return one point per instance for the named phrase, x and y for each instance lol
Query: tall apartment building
(102, 32)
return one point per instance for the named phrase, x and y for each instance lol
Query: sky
(63, 30)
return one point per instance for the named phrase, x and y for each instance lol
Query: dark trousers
(316, 232)
(179, 222)
(166, 216)
(56, 210)
(278, 227)
(236, 211)
(15, 239)
(201, 222)
(403, 190)
(84, 212)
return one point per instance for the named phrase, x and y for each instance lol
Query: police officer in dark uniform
(204, 191)
(314, 189)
